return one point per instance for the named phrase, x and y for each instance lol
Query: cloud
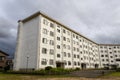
(98, 20)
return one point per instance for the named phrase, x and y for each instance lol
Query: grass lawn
(4, 76)
(112, 76)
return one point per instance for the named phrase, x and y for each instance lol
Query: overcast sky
(98, 20)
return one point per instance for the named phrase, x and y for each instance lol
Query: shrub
(118, 69)
(77, 68)
(6, 68)
(48, 68)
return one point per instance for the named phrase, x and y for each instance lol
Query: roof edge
(43, 14)
(4, 53)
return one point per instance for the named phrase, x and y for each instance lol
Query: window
(81, 52)
(69, 55)
(58, 46)
(114, 51)
(51, 51)
(107, 60)
(78, 56)
(65, 62)
(101, 47)
(51, 62)
(68, 40)
(73, 42)
(74, 56)
(102, 55)
(118, 47)
(44, 62)
(114, 47)
(77, 49)
(45, 31)
(105, 51)
(64, 46)
(77, 43)
(44, 40)
(68, 32)
(73, 35)
(2, 58)
(64, 38)
(58, 30)
(68, 47)
(115, 55)
(76, 37)
(58, 38)
(44, 50)
(74, 48)
(105, 47)
(101, 51)
(51, 25)
(58, 55)
(69, 63)
(102, 59)
(51, 42)
(106, 55)
(64, 31)
(78, 63)
(64, 54)
(58, 26)
(75, 63)
(51, 33)
(45, 22)
(109, 48)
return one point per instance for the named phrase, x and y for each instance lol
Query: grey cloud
(98, 20)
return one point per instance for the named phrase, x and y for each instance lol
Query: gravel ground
(79, 78)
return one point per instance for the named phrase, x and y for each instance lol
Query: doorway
(59, 65)
(96, 66)
(83, 66)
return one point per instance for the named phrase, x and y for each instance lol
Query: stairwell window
(51, 25)
(44, 50)
(58, 55)
(51, 42)
(51, 33)
(45, 31)
(45, 22)
(64, 31)
(51, 51)
(51, 62)
(44, 62)
(44, 40)
(58, 30)
(58, 46)
(58, 38)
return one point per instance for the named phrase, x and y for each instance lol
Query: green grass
(4, 76)
(10, 77)
(114, 74)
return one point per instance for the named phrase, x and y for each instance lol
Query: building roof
(43, 14)
(4, 53)
(109, 44)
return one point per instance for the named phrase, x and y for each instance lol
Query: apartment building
(43, 41)
(109, 55)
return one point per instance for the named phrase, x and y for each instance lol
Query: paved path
(90, 73)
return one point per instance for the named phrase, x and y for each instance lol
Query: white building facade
(42, 42)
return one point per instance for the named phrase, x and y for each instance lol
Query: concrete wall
(27, 46)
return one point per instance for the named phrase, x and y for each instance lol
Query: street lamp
(27, 63)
